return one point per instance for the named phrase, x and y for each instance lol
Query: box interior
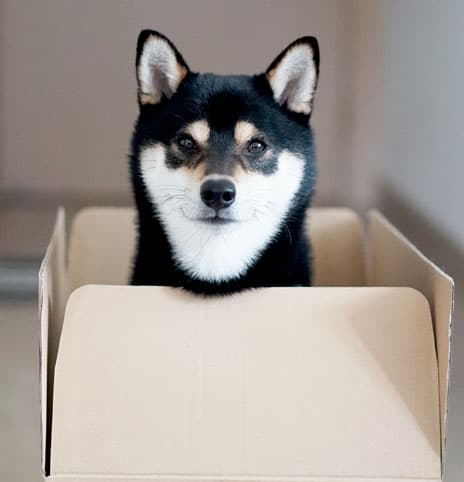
(105, 239)
(100, 252)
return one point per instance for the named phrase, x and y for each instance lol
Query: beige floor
(19, 393)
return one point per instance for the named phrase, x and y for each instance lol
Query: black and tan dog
(223, 168)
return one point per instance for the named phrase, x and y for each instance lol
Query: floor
(19, 392)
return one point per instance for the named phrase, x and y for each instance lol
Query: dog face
(223, 160)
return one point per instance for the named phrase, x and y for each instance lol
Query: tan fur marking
(244, 131)
(270, 75)
(199, 130)
(238, 172)
(148, 99)
(198, 172)
(182, 72)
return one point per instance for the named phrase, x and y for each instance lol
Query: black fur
(223, 100)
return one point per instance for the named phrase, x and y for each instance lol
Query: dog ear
(160, 67)
(293, 75)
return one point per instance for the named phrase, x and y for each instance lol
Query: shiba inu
(223, 169)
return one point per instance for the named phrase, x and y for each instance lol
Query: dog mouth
(216, 220)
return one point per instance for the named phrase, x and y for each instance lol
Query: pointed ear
(293, 75)
(160, 67)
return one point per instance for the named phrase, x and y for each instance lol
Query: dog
(223, 169)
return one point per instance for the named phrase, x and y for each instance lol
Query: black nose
(218, 193)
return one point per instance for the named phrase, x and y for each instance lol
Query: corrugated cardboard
(324, 383)
(395, 261)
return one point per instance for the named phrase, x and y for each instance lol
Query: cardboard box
(346, 380)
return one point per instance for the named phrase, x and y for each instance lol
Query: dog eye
(187, 143)
(255, 146)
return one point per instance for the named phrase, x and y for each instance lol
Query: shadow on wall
(420, 230)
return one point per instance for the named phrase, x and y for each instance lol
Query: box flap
(265, 385)
(52, 290)
(102, 246)
(221, 478)
(336, 236)
(397, 262)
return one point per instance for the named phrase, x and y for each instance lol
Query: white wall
(424, 127)
(408, 139)
(68, 89)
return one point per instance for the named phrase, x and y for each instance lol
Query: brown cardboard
(278, 381)
(101, 248)
(52, 290)
(397, 262)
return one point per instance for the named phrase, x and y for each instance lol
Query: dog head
(224, 161)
